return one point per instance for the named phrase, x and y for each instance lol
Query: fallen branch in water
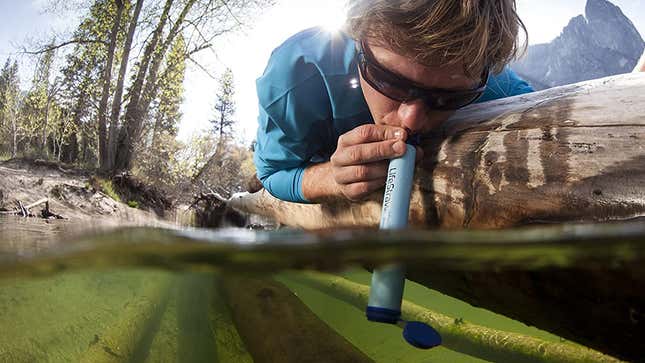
(458, 335)
(24, 210)
(39, 202)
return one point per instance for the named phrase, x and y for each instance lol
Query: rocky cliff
(601, 43)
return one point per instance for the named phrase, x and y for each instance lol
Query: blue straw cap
(421, 335)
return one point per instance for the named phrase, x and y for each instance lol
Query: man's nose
(413, 115)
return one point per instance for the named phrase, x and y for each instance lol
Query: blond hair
(478, 33)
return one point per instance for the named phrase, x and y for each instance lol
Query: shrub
(133, 204)
(108, 189)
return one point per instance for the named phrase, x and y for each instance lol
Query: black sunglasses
(404, 90)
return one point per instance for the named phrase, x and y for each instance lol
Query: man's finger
(364, 172)
(358, 191)
(367, 153)
(371, 133)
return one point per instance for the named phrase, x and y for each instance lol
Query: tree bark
(107, 79)
(127, 134)
(142, 96)
(118, 93)
(14, 137)
(573, 153)
(43, 139)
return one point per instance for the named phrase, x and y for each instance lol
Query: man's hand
(359, 165)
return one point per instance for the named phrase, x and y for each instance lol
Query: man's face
(414, 115)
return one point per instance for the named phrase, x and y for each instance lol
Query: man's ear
(640, 66)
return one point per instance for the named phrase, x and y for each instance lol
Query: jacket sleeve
(505, 84)
(293, 125)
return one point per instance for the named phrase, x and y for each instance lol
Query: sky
(247, 51)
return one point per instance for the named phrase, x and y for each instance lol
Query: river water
(233, 295)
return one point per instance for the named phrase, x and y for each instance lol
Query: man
(335, 107)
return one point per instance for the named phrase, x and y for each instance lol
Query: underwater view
(234, 295)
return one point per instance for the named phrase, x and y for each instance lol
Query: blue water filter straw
(386, 290)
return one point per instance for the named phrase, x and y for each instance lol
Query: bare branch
(202, 68)
(63, 44)
(228, 8)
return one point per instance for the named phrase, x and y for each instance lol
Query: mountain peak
(604, 42)
(601, 10)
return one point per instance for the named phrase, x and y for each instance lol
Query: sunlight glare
(333, 18)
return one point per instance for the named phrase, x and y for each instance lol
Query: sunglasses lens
(451, 102)
(383, 83)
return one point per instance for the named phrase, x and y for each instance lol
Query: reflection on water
(152, 295)
(246, 250)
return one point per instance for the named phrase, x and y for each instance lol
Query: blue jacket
(309, 95)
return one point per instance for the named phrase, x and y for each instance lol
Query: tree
(106, 81)
(202, 22)
(9, 103)
(92, 94)
(120, 84)
(171, 91)
(223, 123)
(157, 161)
(34, 113)
(229, 165)
(144, 82)
(82, 86)
(224, 107)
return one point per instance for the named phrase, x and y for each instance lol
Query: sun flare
(333, 17)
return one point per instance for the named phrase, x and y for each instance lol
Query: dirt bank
(71, 194)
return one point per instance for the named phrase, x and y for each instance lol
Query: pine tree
(224, 167)
(224, 107)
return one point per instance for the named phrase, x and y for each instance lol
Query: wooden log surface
(571, 153)
(478, 341)
(277, 327)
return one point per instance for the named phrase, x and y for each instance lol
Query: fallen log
(277, 327)
(572, 153)
(121, 341)
(458, 335)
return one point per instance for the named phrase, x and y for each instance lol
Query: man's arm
(640, 66)
(318, 183)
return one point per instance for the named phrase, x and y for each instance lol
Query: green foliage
(58, 116)
(4, 156)
(133, 204)
(9, 104)
(156, 162)
(158, 165)
(108, 189)
(226, 170)
(171, 90)
(81, 86)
